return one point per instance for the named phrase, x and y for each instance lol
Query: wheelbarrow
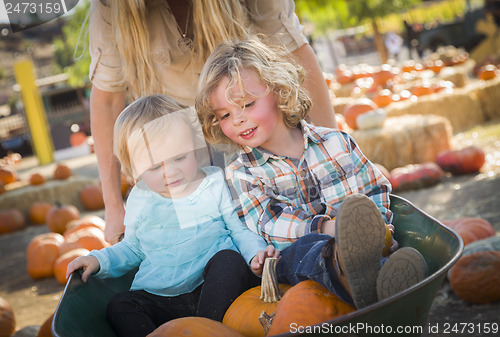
(81, 309)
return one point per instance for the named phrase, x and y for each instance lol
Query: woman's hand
(90, 265)
(257, 263)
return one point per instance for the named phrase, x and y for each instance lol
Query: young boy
(299, 185)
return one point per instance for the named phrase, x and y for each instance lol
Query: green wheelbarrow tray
(81, 310)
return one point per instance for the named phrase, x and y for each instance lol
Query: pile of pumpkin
(467, 160)
(48, 254)
(266, 310)
(475, 277)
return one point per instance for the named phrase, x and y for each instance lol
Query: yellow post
(35, 112)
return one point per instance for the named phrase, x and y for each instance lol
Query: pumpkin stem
(266, 320)
(270, 291)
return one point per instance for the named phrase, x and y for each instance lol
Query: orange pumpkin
(471, 229)
(91, 197)
(85, 222)
(89, 238)
(422, 90)
(307, 303)
(487, 72)
(77, 138)
(59, 215)
(38, 211)
(12, 220)
(467, 160)
(475, 277)
(41, 254)
(383, 98)
(7, 174)
(415, 176)
(359, 107)
(243, 314)
(46, 328)
(2, 188)
(62, 172)
(36, 179)
(7, 319)
(61, 264)
(194, 327)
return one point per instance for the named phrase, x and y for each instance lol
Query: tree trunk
(379, 42)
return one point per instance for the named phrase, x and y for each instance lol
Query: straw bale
(487, 94)
(459, 107)
(458, 76)
(340, 103)
(65, 191)
(403, 140)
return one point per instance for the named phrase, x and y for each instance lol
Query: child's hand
(90, 265)
(257, 263)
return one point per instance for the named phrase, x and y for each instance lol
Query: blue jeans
(303, 261)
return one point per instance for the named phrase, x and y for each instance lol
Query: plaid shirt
(283, 198)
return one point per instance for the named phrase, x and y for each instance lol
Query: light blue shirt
(172, 240)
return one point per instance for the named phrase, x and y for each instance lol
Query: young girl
(181, 227)
(296, 182)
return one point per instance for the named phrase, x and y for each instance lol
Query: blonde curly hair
(273, 65)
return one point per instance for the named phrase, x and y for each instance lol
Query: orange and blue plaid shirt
(283, 198)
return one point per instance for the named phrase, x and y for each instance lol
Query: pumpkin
(307, 303)
(467, 160)
(38, 211)
(91, 197)
(383, 98)
(471, 229)
(61, 264)
(77, 138)
(59, 215)
(475, 277)
(422, 90)
(487, 72)
(359, 107)
(436, 66)
(46, 328)
(243, 314)
(85, 222)
(2, 188)
(194, 327)
(385, 74)
(415, 176)
(62, 172)
(387, 242)
(11, 220)
(41, 254)
(36, 179)
(7, 319)
(89, 238)
(7, 174)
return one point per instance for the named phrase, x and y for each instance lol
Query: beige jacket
(179, 77)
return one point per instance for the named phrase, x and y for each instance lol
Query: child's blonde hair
(134, 121)
(282, 76)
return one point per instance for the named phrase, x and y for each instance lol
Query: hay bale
(487, 94)
(459, 107)
(340, 103)
(64, 191)
(403, 140)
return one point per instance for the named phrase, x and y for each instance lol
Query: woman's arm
(104, 109)
(322, 113)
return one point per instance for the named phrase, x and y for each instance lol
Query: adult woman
(159, 46)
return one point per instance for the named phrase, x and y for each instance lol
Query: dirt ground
(475, 195)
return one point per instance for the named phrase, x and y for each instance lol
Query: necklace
(185, 43)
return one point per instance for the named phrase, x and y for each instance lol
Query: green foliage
(71, 52)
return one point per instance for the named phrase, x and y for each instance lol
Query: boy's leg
(404, 268)
(226, 277)
(137, 312)
(360, 236)
(305, 260)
